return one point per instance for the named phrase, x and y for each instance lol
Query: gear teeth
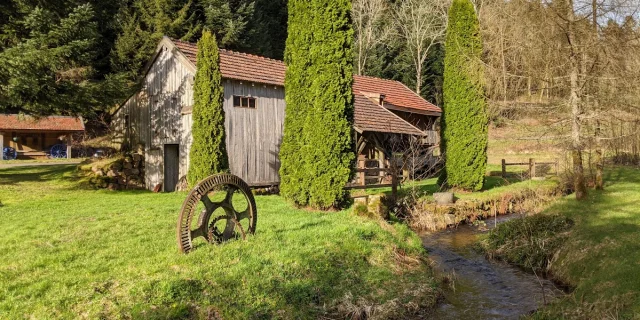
(188, 210)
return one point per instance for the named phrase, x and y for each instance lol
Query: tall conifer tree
(317, 152)
(208, 153)
(328, 128)
(464, 118)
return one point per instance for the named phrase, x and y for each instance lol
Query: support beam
(69, 145)
(1, 144)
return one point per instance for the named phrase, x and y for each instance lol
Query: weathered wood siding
(155, 118)
(253, 135)
(154, 113)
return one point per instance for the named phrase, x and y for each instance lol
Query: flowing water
(482, 289)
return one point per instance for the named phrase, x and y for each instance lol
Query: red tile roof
(53, 123)
(241, 66)
(396, 93)
(369, 116)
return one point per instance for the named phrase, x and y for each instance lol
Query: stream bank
(518, 198)
(477, 287)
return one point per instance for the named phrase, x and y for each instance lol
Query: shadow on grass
(16, 175)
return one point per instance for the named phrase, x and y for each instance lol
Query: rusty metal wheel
(226, 208)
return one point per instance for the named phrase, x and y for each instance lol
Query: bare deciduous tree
(421, 24)
(371, 29)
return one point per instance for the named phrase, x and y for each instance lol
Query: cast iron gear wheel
(238, 223)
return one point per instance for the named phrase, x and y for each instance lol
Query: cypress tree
(317, 151)
(292, 178)
(464, 118)
(328, 128)
(208, 153)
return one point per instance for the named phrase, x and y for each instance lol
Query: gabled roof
(369, 116)
(53, 123)
(396, 95)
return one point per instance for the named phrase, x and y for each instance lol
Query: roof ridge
(230, 51)
(377, 78)
(251, 55)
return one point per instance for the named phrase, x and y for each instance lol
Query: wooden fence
(532, 166)
(370, 174)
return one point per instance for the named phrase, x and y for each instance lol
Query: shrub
(464, 118)
(208, 153)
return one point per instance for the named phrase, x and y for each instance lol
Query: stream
(482, 289)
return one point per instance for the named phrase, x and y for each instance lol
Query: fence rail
(380, 175)
(532, 166)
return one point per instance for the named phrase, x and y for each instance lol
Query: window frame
(245, 102)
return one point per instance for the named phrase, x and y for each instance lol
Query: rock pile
(126, 172)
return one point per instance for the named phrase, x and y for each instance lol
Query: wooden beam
(369, 186)
(1, 144)
(69, 145)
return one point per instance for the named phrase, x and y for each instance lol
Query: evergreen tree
(328, 151)
(143, 24)
(464, 118)
(293, 179)
(208, 151)
(268, 28)
(51, 68)
(317, 152)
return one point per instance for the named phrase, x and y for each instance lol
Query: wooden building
(159, 116)
(33, 138)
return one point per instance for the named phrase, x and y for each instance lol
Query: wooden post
(68, 145)
(361, 165)
(504, 168)
(382, 174)
(532, 168)
(557, 166)
(394, 185)
(1, 145)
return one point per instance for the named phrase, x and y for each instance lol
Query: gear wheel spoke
(209, 226)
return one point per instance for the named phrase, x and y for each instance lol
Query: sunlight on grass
(600, 254)
(66, 252)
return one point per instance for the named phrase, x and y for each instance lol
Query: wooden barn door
(171, 166)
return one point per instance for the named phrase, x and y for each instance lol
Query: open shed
(33, 138)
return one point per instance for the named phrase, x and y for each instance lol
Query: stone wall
(121, 173)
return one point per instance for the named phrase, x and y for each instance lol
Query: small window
(244, 102)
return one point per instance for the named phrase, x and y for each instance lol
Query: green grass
(600, 255)
(66, 252)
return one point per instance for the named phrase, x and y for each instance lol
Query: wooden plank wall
(155, 112)
(253, 135)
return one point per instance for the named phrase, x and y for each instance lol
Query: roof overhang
(412, 110)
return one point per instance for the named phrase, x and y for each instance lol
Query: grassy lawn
(494, 186)
(66, 252)
(599, 256)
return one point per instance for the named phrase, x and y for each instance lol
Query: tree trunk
(599, 181)
(576, 108)
(418, 78)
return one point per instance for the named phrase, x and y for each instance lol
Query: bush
(464, 118)
(208, 153)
